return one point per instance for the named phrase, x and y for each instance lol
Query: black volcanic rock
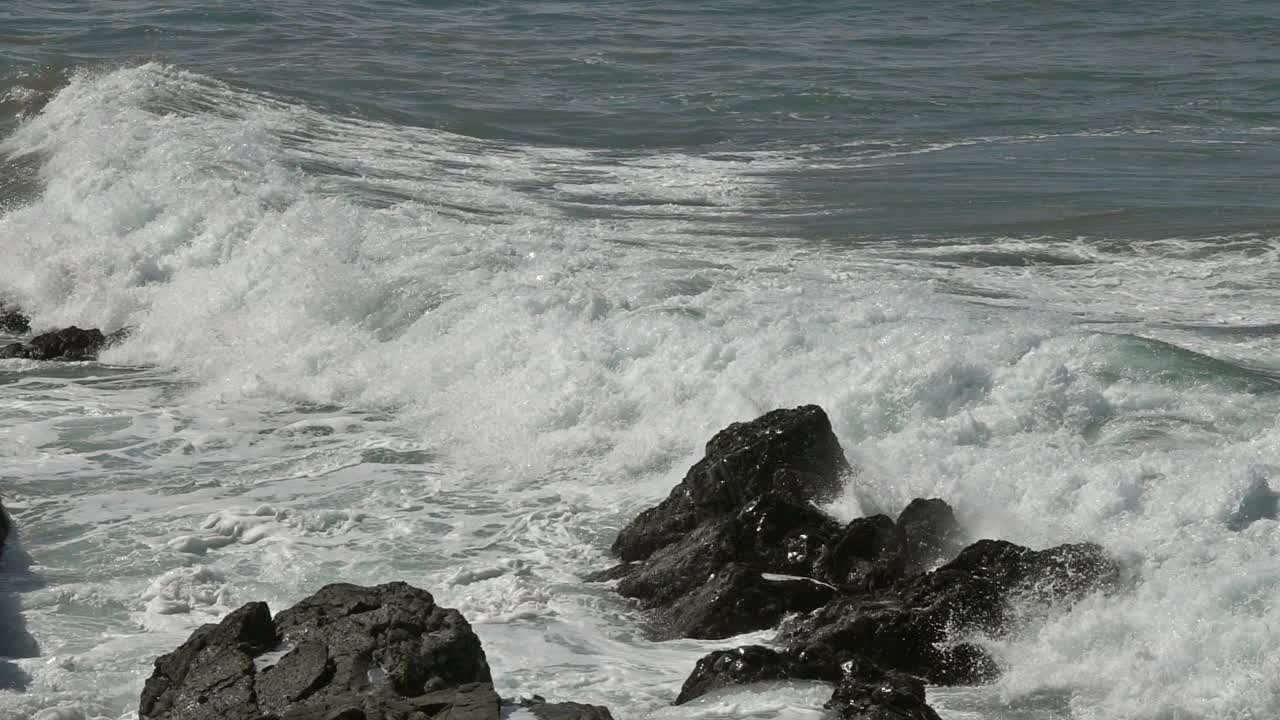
(870, 694)
(739, 666)
(868, 554)
(739, 545)
(740, 599)
(385, 652)
(910, 628)
(930, 533)
(544, 710)
(70, 343)
(769, 533)
(792, 453)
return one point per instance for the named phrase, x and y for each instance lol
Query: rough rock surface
(71, 343)
(544, 710)
(740, 666)
(880, 605)
(4, 527)
(869, 694)
(930, 533)
(386, 652)
(739, 597)
(792, 453)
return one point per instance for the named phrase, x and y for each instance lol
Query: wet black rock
(740, 599)
(868, 554)
(915, 627)
(769, 533)
(867, 693)
(930, 533)
(381, 653)
(878, 606)
(70, 343)
(739, 666)
(738, 544)
(792, 453)
(544, 710)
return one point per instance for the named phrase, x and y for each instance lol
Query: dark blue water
(1018, 118)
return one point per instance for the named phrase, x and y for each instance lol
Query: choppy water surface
(448, 292)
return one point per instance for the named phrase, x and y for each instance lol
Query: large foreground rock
(4, 527)
(345, 653)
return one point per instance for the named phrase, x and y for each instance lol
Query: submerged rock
(1260, 502)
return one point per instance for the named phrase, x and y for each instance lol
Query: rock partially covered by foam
(67, 344)
(869, 693)
(791, 453)
(543, 710)
(880, 605)
(347, 652)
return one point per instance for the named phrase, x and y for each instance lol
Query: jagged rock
(868, 554)
(13, 321)
(741, 599)
(910, 628)
(381, 653)
(866, 693)
(769, 533)
(544, 710)
(930, 533)
(739, 666)
(212, 674)
(70, 343)
(789, 452)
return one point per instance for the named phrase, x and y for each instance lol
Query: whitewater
(368, 350)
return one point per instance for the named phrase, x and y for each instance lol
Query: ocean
(447, 292)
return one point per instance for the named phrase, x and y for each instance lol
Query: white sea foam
(384, 352)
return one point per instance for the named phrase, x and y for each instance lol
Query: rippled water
(447, 292)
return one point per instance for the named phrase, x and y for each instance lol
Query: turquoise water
(446, 292)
